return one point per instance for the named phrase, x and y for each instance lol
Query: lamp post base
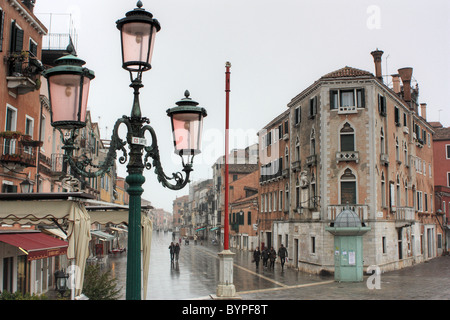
(225, 288)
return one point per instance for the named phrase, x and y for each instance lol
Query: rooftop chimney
(423, 110)
(377, 59)
(406, 75)
(396, 83)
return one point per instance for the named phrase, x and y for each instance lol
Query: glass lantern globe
(137, 33)
(68, 89)
(187, 125)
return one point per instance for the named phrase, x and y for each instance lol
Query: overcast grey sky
(276, 48)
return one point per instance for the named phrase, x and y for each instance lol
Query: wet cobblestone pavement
(195, 276)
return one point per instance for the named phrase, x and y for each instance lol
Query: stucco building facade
(364, 145)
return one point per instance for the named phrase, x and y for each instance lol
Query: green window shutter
(361, 99)
(348, 192)
(333, 99)
(2, 23)
(347, 142)
(19, 40)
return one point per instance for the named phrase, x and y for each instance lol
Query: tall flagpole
(225, 288)
(226, 240)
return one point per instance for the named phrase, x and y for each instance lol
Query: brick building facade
(441, 141)
(275, 163)
(20, 47)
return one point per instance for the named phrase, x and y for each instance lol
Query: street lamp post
(68, 92)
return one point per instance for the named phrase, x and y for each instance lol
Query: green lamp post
(138, 30)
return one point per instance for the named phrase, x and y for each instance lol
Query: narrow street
(197, 273)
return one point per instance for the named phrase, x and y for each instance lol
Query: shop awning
(35, 244)
(215, 228)
(102, 235)
(199, 229)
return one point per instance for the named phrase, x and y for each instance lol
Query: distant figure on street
(171, 250)
(272, 257)
(282, 253)
(257, 256)
(176, 251)
(265, 256)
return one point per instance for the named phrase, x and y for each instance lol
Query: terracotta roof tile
(347, 72)
(442, 134)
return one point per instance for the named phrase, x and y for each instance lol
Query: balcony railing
(405, 214)
(347, 109)
(269, 172)
(347, 156)
(361, 210)
(296, 165)
(311, 160)
(234, 227)
(17, 152)
(23, 71)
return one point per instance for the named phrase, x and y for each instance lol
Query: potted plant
(11, 157)
(10, 134)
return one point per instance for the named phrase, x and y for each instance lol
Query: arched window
(313, 142)
(286, 193)
(286, 157)
(297, 149)
(398, 192)
(348, 187)
(347, 138)
(406, 193)
(405, 151)
(382, 145)
(313, 191)
(397, 150)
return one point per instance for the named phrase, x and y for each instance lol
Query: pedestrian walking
(272, 257)
(171, 250)
(176, 251)
(265, 256)
(257, 257)
(282, 253)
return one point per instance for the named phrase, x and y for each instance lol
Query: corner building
(361, 144)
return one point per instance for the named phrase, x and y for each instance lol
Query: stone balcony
(345, 156)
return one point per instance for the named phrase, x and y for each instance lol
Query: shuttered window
(348, 187)
(2, 23)
(16, 44)
(347, 134)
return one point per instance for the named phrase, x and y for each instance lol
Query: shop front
(29, 260)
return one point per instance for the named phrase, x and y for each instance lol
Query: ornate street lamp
(61, 282)
(138, 30)
(26, 186)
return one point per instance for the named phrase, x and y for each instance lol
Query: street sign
(137, 140)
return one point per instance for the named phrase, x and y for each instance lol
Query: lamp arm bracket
(85, 166)
(152, 151)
